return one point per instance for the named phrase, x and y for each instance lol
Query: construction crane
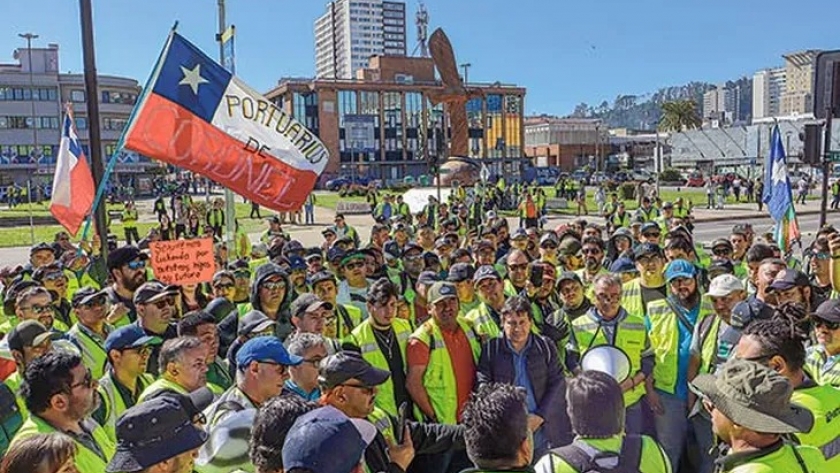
(421, 20)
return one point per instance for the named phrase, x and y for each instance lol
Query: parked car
(597, 178)
(341, 181)
(695, 179)
(580, 175)
(643, 176)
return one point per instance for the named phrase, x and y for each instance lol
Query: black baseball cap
(29, 333)
(569, 276)
(338, 368)
(646, 249)
(788, 279)
(254, 321)
(486, 272)
(124, 255)
(153, 290)
(321, 276)
(829, 311)
(308, 302)
(87, 294)
(460, 272)
(722, 242)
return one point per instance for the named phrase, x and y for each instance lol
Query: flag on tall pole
(778, 194)
(196, 115)
(73, 188)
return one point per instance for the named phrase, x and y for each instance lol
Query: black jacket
(427, 439)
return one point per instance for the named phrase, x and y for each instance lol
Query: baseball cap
(296, 262)
(85, 295)
(153, 290)
(265, 349)
(667, 205)
(623, 265)
(321, 276)
(441, 290)
(569, 276)
(29, 333)
(788, 279)
(569, 247)
(292, 247)
(327, 441)
(519, 234)
(350, 256)
(151, 432)
(327, 230)
(742, 229)
(648, 226)
(428, 278)
(254, 321)
(274, 219)
(193, 403)
(129, 336)
(722, 242)
(485, 272)
(441, 243)
(335, 253)
(460, 272)
(313, 254)
(751, 309)
(721, 267)
(828, 310)
(124, 255)
(724, 285)
(482, 244)
(549, 238)
(679, 268)
(41, 247)
(646, 249)
(227, 444)
(344, 365)
(259, 250)
(308, 302)
(411, 246)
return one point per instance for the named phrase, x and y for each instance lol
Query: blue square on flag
(191, 79)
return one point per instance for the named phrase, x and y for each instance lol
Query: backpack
(628, 458)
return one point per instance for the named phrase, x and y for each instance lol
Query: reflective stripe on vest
(629, 337)
(709, 348)
(665, 340)
(439, 378)
(93, 352)
(483, 322)
(86, 460)
(161, 384)
(114, 402)
(365, 339)
(380, 419)
(824, 404)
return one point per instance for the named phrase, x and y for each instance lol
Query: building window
(77, 96)
(81, 123)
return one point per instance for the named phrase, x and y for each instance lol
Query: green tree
(679, 115)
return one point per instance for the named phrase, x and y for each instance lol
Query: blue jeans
(310, 214)
(672, 427)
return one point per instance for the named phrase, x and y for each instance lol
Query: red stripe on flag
(168, 132)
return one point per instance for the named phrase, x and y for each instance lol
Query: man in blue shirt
(303, 378)
(527, 360)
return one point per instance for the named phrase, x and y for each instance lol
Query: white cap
(724, 285)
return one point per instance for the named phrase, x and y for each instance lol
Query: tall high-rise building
(768, 86)
(351, 31)
(797, 99)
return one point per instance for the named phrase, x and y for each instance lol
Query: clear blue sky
(564, 51)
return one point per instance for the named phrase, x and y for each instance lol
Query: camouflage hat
(754, 396)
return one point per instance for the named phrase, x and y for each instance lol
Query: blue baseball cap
(265, 349)
(296, 262)
(623, 265)
(680, 268)
(129, 336)
(327, 441)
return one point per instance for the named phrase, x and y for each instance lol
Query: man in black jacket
(348, 383)
(527, 360)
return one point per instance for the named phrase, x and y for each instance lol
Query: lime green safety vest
(483, 322)
(631, 297)
(588, 287)
(665, 340)
(364, 338)
(709, 347)
(12, 411)
(161, 384)
(630, 337)
(74, 282)
(824, 404)
(129, 218)
(114, 403)
(93, 350)
(380, 419)
(782, 460)
(651, 460)
(822, 369)
(620, 221)
(439, 378)
(86, 460)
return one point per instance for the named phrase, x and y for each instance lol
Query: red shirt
(461, 356)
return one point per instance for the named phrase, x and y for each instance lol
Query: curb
(750, 215)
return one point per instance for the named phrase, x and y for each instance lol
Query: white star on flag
(779, 172)
(193, 78)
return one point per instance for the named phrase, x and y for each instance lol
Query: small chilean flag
(72, 189)
(196, 115)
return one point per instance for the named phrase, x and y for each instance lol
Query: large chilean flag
(73, 188)
(196, 115)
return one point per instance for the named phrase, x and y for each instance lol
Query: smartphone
(402, 418)
(536, 275)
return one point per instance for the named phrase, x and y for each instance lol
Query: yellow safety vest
(364, 338)
(652, 459)
(129, 218)
(86, 460)
(783, 460)
(483, 322)
(161, 384)
(824, 404)
(439, 378)
(113, 402)
(93, 351)
(665, 339)
(629, 337)
(709, 347)
(74, 282)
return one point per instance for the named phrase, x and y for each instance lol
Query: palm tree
(679, 115)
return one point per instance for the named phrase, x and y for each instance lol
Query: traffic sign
(834, 157)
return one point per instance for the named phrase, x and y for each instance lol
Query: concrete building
(797, 99)
(33, 92)
(728, 103)
(714, 104)
(768, 86)
(351, 31)
(408, 129)
(568, 143)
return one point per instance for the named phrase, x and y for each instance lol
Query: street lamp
(466, 66)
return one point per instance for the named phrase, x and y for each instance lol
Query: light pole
(29, 37)
(466, 66)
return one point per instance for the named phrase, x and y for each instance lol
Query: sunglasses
(87, 381)
(822, 256)
(163, 303)
(608, 297)
(352, 266)
(518, 267)
(55, 276)
(273, 285)
(224, 286)
(652, 234)
(142, 351)
(369, 390)
(136, 264)
(722, 252)
(39, 309)
(826, 324)
(98, 302)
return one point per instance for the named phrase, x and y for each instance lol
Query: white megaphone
(607, 359)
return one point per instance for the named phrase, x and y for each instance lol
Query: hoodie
(284, 320)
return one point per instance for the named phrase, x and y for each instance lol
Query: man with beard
(593, 259)
(379, 235)
(821, 362)
(765, 276)
(155, 304)
(671, 324)
(348, 316)
(60, 395)
(381, 340)
(574, 299)
(183, 368)
(297, 275)
(544, 301)
(754, 257)
(127, 268)
(713, 342)
(353, 289)
(517, 272)
(34, 303)
(486, 318)
(791, 285)
(650, 286)
(406, 281)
